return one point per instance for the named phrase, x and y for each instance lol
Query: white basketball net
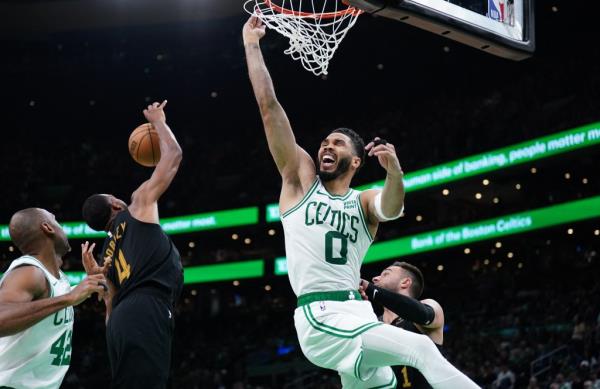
(314, 30)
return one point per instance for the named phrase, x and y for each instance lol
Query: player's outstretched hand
(362, 289)
(386, 154)
(155, 113)
(89, 262)
(254, 30)
(91, 284)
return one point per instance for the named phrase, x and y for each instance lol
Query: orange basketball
(143, 145)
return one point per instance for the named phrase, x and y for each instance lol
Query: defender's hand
(155, 113)
(90, 285)
(89, 262)
(254, 30)
(386, 154)
(362, 289)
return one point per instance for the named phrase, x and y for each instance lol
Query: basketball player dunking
(146, 277)
(397, 288)
(328, 229)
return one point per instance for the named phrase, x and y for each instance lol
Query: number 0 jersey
(39, 356)
(326, 239)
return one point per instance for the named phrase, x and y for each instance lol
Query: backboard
(501, 27)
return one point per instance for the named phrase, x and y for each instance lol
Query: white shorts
(342, 333)
(329, 335)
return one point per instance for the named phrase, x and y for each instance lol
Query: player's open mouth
(328, 161)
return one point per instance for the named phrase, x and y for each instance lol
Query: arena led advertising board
(171, 225)
(493, 160)
(428, 241)
(204, 273)
(486, 229)
(474, 232)
(506, 157)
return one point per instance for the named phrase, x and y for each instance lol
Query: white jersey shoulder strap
(32, 261)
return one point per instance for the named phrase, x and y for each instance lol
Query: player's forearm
(17, 317)
(108, 299)
(280, 137)
(108, 303)
(406, 307)
(262, 84)
(170, 151)
(392, 195)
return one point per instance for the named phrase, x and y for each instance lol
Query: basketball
(143, 145)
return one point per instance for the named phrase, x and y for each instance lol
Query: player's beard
(61, 245)
(342, 168)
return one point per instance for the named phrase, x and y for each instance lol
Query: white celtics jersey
(326, 239)
(39, 357)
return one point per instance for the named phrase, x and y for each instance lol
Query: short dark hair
(357, 143)
(96, 211)
(418, 282)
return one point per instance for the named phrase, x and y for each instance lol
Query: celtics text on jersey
(326, 239)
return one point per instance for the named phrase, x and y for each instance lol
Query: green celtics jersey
(326, 238)
(39, 356)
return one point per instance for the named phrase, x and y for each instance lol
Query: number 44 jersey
(39, 356)
(326, 239)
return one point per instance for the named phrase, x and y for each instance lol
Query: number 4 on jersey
(123, 268)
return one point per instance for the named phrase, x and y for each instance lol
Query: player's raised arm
(388, 203)
(144, 200)
(291, 160)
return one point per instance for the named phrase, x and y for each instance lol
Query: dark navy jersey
(409, 377)
(143, 258)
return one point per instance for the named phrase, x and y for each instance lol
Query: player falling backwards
(328, 229)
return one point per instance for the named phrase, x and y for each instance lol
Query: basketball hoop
(314, 30)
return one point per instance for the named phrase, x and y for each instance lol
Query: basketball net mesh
(314, 32)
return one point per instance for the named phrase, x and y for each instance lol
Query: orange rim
(316, 15)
